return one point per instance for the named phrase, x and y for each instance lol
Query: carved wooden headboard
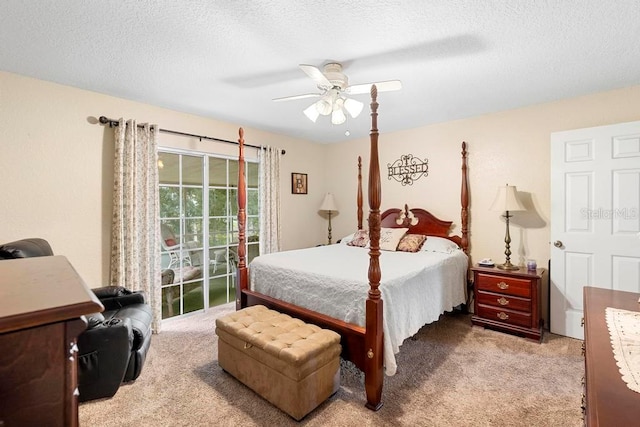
(418, 221)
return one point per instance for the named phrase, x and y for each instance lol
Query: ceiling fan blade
(385, 86)
(290, 98)
(317, 76)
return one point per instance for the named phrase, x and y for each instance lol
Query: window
(200, 233)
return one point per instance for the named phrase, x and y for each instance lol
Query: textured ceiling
(228, 59)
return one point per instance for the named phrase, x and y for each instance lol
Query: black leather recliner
(113, 348)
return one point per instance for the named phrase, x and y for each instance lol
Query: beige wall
(57, 168)
(507, 147)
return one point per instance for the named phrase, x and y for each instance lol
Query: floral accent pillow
(411, 242)
(390, 237)
(360, 239)
(346, 239)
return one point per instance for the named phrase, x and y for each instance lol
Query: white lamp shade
(338, 117)
(312, 113)
(324, 106)
(353, 107)
(329, 204)
(507, 200)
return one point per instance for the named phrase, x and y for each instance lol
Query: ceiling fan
(334, 86)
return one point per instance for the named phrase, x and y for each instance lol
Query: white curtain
(269, 188)
(135, 233)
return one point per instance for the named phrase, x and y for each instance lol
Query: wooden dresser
(42, 301)
(608, 400)
(508, 300)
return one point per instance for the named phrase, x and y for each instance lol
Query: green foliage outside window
(181, 198)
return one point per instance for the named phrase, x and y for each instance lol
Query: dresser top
(39, 290)
(609, 401)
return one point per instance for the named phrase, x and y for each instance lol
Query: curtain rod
(114, 123)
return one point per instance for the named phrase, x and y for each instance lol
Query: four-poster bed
(363, 341)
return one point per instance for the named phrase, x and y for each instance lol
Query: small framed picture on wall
(298, 183)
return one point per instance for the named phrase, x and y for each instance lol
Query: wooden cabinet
(508, 300)
(42, 301)
(608, 401)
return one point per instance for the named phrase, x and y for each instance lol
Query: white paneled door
(595, 217)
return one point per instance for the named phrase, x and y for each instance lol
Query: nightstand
(508, 300)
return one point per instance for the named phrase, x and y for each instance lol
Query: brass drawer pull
(503, 301)
(503, 285)
(503, 316)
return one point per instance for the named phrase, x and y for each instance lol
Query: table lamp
(507, 201)
(329, 205)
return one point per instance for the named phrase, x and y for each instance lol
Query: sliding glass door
(198, 217)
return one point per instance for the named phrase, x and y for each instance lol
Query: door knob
(558, 244)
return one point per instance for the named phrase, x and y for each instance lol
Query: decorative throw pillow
(360, 239)
(411, 242)
(390, 237)
(439, 244)
(346, 239)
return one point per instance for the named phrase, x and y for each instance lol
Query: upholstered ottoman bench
(292, 364)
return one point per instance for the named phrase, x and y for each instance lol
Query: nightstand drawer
(504, 285)
(504, 301)
(504, 315)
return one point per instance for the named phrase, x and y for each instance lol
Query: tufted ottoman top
(285, 341)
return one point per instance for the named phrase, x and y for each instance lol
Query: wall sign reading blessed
(408, 169)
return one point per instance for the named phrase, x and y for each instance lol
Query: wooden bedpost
(241, 274)
(374, 360)
(359, 199)
(464, 217)
(464, 201)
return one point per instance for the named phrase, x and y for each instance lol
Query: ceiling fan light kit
(334, 85)
(324, 106)
(338, 117)
(353, 107)
(312, 112)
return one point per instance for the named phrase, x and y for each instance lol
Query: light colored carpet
(449, 374)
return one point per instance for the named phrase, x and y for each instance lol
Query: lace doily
(624, 331)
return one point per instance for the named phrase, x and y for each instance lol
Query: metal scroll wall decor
(408, 169)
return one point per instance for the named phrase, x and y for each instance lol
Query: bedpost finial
(374, 92)
(241, 133)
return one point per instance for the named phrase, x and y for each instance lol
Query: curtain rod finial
(107, 121)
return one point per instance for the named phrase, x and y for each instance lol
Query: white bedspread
(416, 287)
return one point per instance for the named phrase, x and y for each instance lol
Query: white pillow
(390, 237)
(439, 244)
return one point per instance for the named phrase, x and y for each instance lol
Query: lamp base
(508, 266)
